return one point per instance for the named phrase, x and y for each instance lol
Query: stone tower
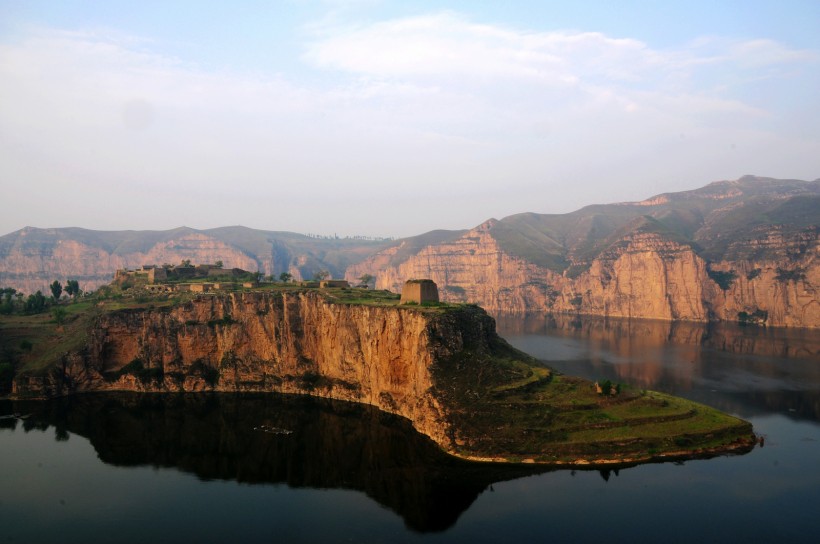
(419, 291)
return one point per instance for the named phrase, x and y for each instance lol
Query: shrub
(752, 274)
(724, 279)
(757, 317)
(790, 275)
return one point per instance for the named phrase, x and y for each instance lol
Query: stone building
(419, 291)
(324, 284)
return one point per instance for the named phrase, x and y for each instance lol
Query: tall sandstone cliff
(745, 250)
(276, 342)
(645, 276)
(736, 250)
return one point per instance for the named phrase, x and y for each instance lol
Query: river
(263, 468)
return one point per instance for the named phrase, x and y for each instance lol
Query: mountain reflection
(746, 370)
(264, 439)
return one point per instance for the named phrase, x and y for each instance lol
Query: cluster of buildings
(186, 277)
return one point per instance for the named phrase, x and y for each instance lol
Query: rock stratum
(743, 251)
(443, 368)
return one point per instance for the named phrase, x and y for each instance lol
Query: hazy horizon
(335, 232)
(374, 118)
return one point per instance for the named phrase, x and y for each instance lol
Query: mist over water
(262, 468)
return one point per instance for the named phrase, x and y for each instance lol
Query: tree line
(14, 301)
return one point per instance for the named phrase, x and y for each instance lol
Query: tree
(285, 277)
(186, 262)
(218, 264)
(72, 287)
(7, 304)
(56, 289)
(35, 303)
(59, 314)
(365, 280)
(321, 275)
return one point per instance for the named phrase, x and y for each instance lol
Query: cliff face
(785, 284)
(472, 268)
(643, 275)
(745, 250)
(284, 342)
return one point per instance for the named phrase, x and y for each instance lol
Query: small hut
(419, 291)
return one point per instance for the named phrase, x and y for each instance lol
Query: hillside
(31, 258)
(727, 251)
(743, 250)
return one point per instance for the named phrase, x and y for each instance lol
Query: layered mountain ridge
(743, 250)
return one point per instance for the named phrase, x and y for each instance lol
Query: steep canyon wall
(642, 275)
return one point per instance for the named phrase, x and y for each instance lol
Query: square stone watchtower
(419, 291)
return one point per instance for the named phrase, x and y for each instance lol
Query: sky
(382, 118)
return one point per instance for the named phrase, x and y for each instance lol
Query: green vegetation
(752, 274)
(72, 288)
(724, 279)
(790, 275)
(56, 290)
(59, 314)
(505, 405)
(758, 317)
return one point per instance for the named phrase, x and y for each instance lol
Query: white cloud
(438, 103)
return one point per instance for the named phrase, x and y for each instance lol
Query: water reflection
(744, 370)
(257, 439)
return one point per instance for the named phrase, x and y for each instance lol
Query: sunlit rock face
(292, 342)
(744, 250)
(644, 276)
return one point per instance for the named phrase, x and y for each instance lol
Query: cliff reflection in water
(746, 370)
(264, 439)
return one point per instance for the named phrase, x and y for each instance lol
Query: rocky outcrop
(471, 268)
(773, 277)
(292, 342)
(442, 367)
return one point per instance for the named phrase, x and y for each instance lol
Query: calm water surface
(194, 468)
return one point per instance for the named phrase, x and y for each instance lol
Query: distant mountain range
(733, 250)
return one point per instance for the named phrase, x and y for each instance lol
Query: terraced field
(545, 417)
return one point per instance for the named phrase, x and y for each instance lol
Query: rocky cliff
(736, 251)
(292, 342)
(743, 250)
(442, 367)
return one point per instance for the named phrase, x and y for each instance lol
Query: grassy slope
(508, 407)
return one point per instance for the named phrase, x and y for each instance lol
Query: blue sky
(392, 118)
